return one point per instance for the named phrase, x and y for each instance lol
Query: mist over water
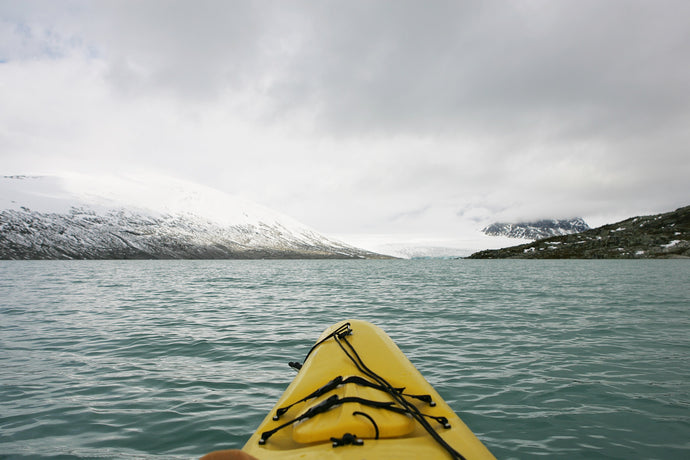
(173, 359)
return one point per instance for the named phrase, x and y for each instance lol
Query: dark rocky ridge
(537, 230)
(84, 234)
(664, 235)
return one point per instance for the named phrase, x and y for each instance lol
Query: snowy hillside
(84, 217)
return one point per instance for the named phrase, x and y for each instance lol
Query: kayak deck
(358, 396)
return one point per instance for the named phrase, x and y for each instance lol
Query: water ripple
(171, 359)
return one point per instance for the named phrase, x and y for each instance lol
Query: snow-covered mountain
(74, 216)
(537, 230)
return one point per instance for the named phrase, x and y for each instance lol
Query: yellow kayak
(357, 396)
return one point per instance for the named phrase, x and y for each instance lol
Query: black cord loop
(376, 427)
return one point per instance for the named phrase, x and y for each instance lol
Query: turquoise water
(172, 359)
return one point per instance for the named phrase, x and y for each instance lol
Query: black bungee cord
(410, 408)
(342, 330)
(340, 334)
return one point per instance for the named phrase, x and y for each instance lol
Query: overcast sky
(362, 117)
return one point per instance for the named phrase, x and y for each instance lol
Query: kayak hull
(384, 433)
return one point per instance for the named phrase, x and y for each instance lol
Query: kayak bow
(358, 396)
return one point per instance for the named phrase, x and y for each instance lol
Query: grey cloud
(189, 49)
(383, 67)
(192, 49)
(446, 67)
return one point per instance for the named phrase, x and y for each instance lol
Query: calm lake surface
(173, 359)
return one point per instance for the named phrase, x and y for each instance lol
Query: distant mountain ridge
(51, 217)
(538, 229)
(664, 235)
